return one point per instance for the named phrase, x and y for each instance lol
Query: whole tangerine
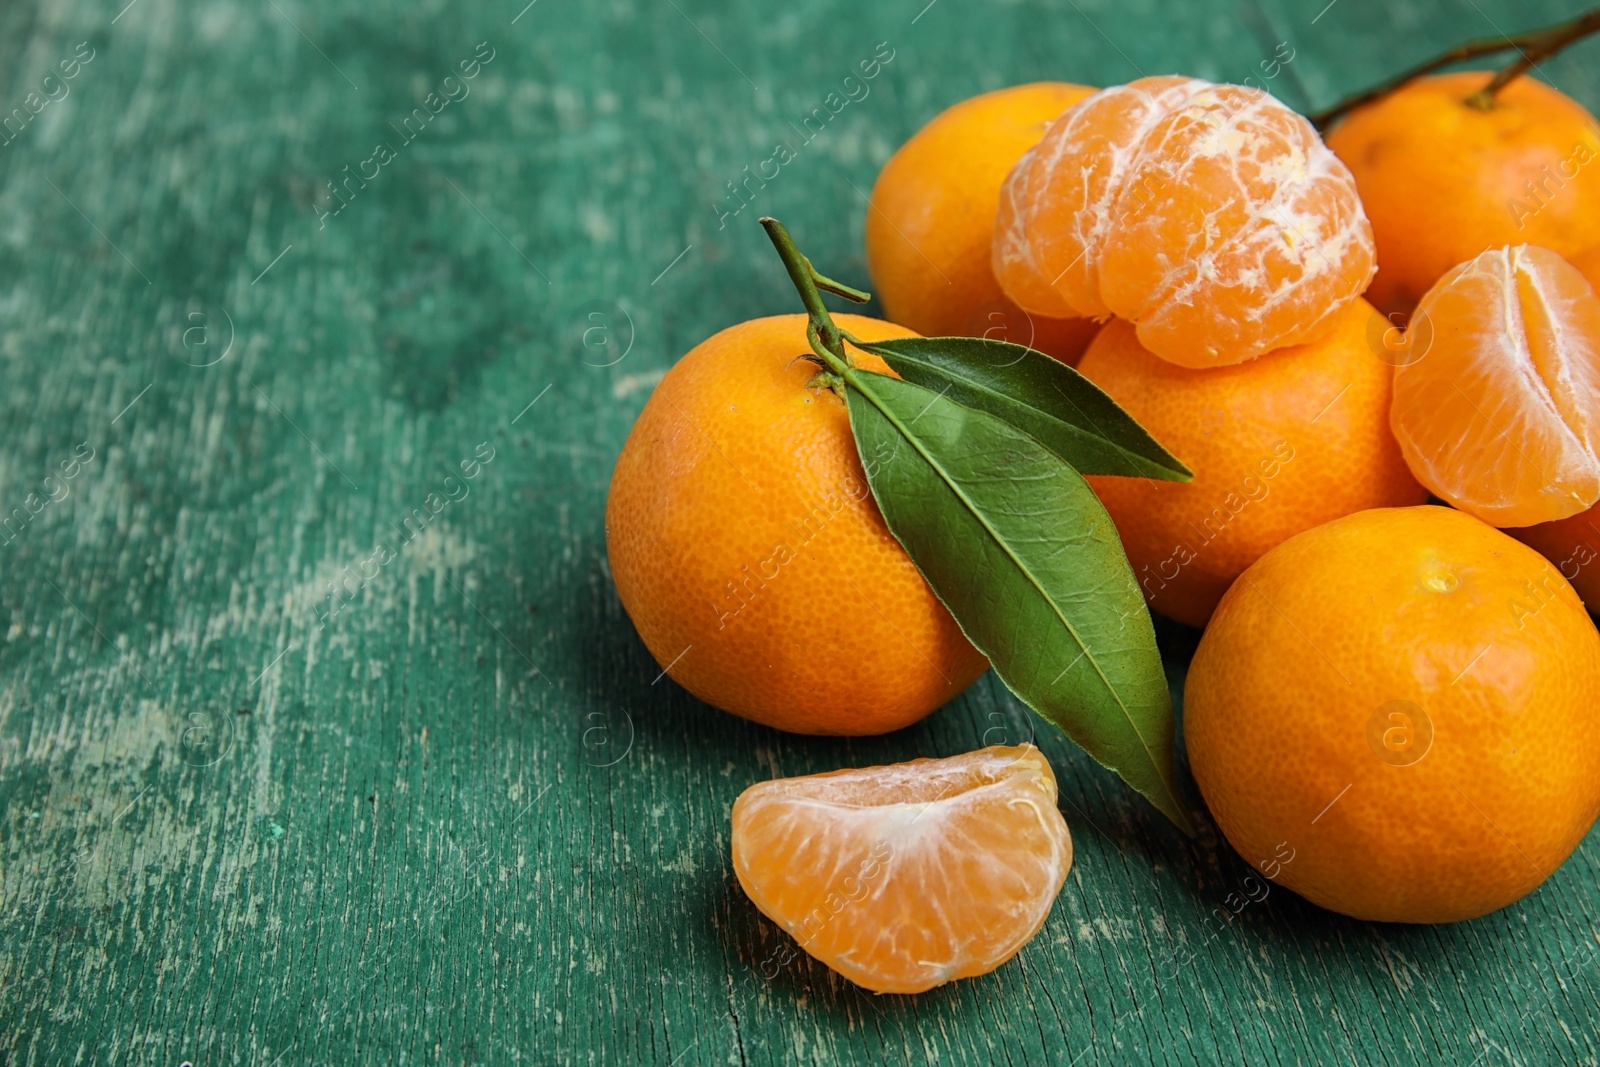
(1403, 701)
(1444, 180)
(747, 548)
(1278, 445)
(931, 216)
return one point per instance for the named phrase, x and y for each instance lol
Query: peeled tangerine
(1210, 216)
(1497, 409)
(904, 877)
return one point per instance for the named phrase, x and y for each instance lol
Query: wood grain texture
(464, 820)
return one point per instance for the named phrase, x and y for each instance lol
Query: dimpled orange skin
(931, 220)
(1443, 181)
(1278, 445)
(1428, 606)
(746, 546)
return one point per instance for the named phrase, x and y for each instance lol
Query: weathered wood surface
(462, 820)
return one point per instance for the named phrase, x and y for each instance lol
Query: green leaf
(1051, 402)
(1018, 547)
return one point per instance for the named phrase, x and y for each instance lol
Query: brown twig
(1531, 47)
(1537, 46)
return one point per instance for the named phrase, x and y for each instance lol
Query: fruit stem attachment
(829, 343)
(1541, 44)
(1531, 47)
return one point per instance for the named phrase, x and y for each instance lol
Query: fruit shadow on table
(1120, 841)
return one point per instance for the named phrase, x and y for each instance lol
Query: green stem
(839, 366)
(810, 285)
(1531, 48)
(828, 285)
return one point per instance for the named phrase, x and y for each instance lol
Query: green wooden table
(323, 736)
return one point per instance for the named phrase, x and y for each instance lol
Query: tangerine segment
(1500, 413)
(1043, 232)
(904, 877)
(1211, 216)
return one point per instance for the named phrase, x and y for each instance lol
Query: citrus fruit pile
(1157, 348)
